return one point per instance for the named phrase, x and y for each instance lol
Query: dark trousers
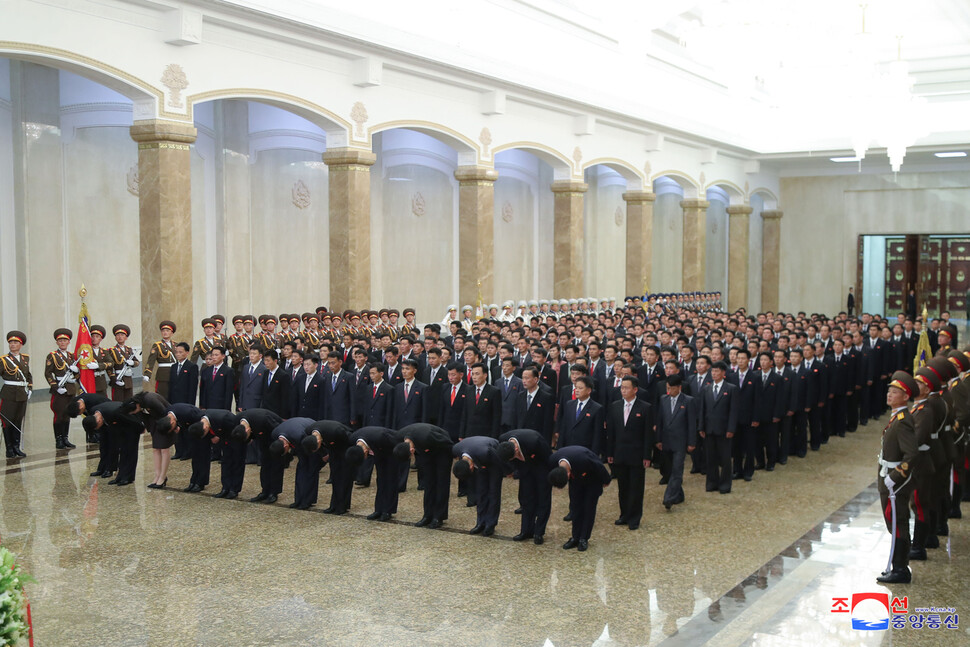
(61, 421)
(109, 444)
(181, 445)
(13, 421)
(307, 478)
(837, 415)
(271, 469)
(747, 443)
(535, 497)
(784, 437)
(698, 458)
(233, 465)
(436, 467)
(199, 450)
(341, 482)
(799, 433)
(765, 446)
(852, 409)
(129, 440)
(488, 489)
(900, 553)
(385, 501)
(674, 460)
(583, 498)
(366, 470)
(816, 426)
(629, 480)
(719, 462)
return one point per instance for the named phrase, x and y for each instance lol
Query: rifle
(126, 370)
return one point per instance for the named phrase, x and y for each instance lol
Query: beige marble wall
(716, 242)
(13, 299)
(604, 271)
(771, 260)
(476, 234)
(694, 244)
(515, 259)
(639, 241)
(738, 252)
(668, 250)
(165, 224)
(350, 216)
(568, 239)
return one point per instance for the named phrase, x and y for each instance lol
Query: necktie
(333, 383)
(626, 412)
(407, 391)
(306, 383)
(358, 376)
(574, 393)
(673, 404)
(579, 410)
(528, 401)
(375, 392)
(716, 388)
(252, 369)
(764, 379)
(269, 378)
(507, 385)
(478, 394)
(454, 392)
(214, 371)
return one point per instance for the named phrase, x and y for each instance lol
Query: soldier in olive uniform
(204, 346)
(269, 339)
(161, 358)
(409, 327)
(220, 323)
(99, 361)
(61, 371)
(17, 385)
(899, 455)
(239, 343)
(121, 363)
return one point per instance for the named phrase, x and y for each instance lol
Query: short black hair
(558, 477)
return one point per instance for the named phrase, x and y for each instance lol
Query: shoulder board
(954, 382)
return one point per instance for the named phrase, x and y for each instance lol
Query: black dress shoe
(470, 504)
(770, 468)
(424, 521)
(489, 531)
(955, 513)
(477, 529)
(10, 454)
(106, 474)
(620, 522)
(328, 510)
(113, 482)
(665, 480)
(294, 505)
(784, 462)
(725, 491)
(125, 482)
(538, 540)
(59, 443)
(259, 497)
(305, 506)
(270, 499)
(521, 537)
(20, 454)
(190, 488)
(572, 543)
(634, 525)
(568, 517)
(361, 484)
(221, 495)
(373, 516)
(435, 523)
(667, 505)
(917, 554)
(518, 511)
(748, 478)
(232, 495)
(583, 545)
(94, 473)
(695, 470)
(177, 457)
(68, 444)
(185, 458)
(386, 516)
(896, 576)
(932, 541)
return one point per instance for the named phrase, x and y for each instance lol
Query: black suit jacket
(432, 402)
(483, 418)
(586, 430)
(262, 422)
(539, 417)
(769, 399)
(548, 377)
(307, 399)
(276, 394)
(719, 416)
(451, 415)
(396, 378)
(509, 399)
(338, 402)
(378, 411)
(585, 466)
(677, 429)
(534, 445)
(215, 392)
(410, 411)
(184, 384)
(630, 443)
(428, 438)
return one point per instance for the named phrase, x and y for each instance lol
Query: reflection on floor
(132, 566)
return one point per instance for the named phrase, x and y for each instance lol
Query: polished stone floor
(133, 566)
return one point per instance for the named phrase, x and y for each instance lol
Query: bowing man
(581, 469)
(478, 457)
(289, 441)
(530, 449)
(431, 447)
(378, 442)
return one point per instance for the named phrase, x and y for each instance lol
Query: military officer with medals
(61, 371)
(161, 358)
(220, 322)
(409, 327)
(204, 346)
(121, 361)
(17, 385)
(269, 339)
(99, 361)
(312, 336)
(238, 346)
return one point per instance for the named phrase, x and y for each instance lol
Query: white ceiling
(772, 77)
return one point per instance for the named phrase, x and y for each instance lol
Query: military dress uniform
(61, 372)
(121, 361)
(204, 346)
(17, 384)
(160, 360)
(100, 363)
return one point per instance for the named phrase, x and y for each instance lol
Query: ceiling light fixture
(951, 154)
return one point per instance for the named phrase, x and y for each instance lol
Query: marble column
(738, 224)
(639, 240)
(350, 277)
(695, 241)
(770, 259)
(476, 233)
(567, 272)
(236, 252)
(165, 225)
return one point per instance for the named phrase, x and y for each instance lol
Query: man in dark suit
(288, 440)
(718, 423)
(509, 387)
(338, 391)
(477, 457)
(746, 436)
(816, 396)
(435, 375)
(482, 415)
(629, 442)
(769, 408)
(547, 375)
(276, 388)
(784, 429)
(251, 383)
(430, 447)
(535, 408)
(676, 419)
(392, 373)
(581, 420)
(360, 371)
(454, 396)
(257, 426)
(379, 443)
(857, 402)
(216, 382)
(216, 427)
(842, 386)
(693, 388)
(651, 373)
(334, 438)
(410, 398)
(377, 410)
(569, 355)
(530, 450)
(587, 476)
(183, 385)
(801, 392)
(307, 390)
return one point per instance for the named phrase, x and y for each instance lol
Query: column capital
(639, 196)
(739, 210)
(694, 203)
(150, 133)
(774, 213)
(348, 157)
(569, 186)
(472, 175)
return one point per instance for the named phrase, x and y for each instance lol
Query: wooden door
(957, 277)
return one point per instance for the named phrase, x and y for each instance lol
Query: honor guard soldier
(61, 371)
(99, 361)
(220, 322)
(17, 385)
(269, 339)
(239, 343)
(312, 336)
(409, 327)
(121, 361)
(929, 417)
(899, 454)
(393, 316)
(161, 358)
(467, 320)
(205, 345)
(285, 333)
(295, 332)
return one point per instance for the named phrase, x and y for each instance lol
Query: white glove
(120, 382)
(92, 366)
(130, 362)
(75, 369)
(145, 377)
(61, 390)
(29, 393)
(889, 483)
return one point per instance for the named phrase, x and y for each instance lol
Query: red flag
(85, 353)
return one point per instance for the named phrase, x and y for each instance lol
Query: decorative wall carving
(301, 194)
(507, 212)
(485, 138)
(358, 114)
(132, 180)
(175, 80)
(577, 155)
(647, 170)
(417, 204)
(618, 216)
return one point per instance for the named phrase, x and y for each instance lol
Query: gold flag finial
(83, 292)
(925, 315)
